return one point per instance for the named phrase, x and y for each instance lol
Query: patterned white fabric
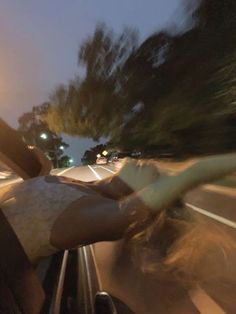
(32, 207)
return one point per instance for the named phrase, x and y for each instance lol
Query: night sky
(40, 40)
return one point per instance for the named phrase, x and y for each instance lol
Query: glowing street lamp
(44, 136)
(98, 155)
(71, 160)
(62, 147)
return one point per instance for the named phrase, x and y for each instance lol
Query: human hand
(132, 177)
(137, 174)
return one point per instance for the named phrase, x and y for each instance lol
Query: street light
(54, 151)
(44, 136)
(71, 160)
(98, 155)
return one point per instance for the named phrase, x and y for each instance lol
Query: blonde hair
(186, 247)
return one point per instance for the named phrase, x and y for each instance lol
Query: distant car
(119, 160)
(101, 161)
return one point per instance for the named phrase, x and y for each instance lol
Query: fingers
(138, 174)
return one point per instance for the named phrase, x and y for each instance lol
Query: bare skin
(98, 218)
(110, 222)
(132, 177)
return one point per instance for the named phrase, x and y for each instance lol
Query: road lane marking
(107, 169)
(204, 303)
(95, 173)
(221, 219)
(63, 171)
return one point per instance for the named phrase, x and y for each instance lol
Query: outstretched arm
(133, 176)
(101, 217)
(95, 218)
(164, 191)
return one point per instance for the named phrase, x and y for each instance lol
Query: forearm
(88, 220)
(112, 187)
(210, 169)
(95, 218)
(164, 191)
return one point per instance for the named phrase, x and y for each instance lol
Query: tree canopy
(35, 132)
(90, 155)
(174, 90)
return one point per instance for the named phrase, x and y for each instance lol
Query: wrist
(119, 188)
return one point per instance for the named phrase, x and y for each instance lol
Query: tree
(35, 132)
(95, 106)
(174, 90)
(90, 155)
(64, 162)
(189, 96)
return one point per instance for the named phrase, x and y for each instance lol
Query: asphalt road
(146, 293)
